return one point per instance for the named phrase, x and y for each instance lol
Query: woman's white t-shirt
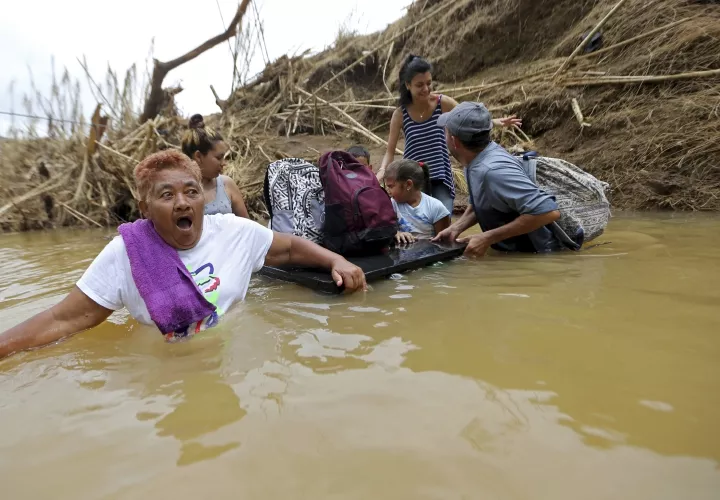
(230, 249)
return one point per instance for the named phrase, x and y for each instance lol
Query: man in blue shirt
(513, 213)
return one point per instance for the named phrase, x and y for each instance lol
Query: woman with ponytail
(208, 149)
(416, 118)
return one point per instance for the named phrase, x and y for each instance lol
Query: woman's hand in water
(508, 121)
(349, 275)
(404, 238)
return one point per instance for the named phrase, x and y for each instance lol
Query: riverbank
(640, 113)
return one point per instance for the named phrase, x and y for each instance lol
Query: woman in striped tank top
(417, 118)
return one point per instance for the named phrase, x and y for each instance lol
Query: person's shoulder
(498, 158)
(217, 223)
(429, 200)
(113, 253)
(228, 181)
(433, 204)
(221, 221)
(507, 171)
(447, 103)
(116, 246)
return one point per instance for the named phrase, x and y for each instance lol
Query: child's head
(361, 154)
(404, 178)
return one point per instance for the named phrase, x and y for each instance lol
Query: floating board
(397, 260)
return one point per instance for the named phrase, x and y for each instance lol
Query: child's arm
(441, 225)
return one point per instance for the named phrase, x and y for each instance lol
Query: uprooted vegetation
(640, 113)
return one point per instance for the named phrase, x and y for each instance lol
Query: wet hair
(478, 142)
(358, 151)
(417, 172)
(413, 65)
(198, 137)
(146, 170)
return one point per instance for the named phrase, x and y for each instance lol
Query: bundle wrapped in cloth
(584, 207)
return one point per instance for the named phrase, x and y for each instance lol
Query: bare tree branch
(156, 99)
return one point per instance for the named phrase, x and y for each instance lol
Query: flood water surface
(592, 375)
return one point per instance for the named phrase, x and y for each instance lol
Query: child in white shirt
(420, 216)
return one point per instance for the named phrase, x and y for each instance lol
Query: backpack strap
(266, 193)
(529, 163)
(562, 236)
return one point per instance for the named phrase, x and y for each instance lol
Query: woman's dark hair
(358, 151)
(413, 65)
(417, 172)
(199, 137)
(478, 142)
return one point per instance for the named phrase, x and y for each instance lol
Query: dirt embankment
(650, 100)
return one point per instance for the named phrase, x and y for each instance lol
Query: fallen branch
(220, 103)
(578, 114)
(253, 184)
(360, 104)
(635, 39)
(352, 120)
(367, 101)
(346, 104)
(264, 153)
(585, 41)
(97, 128)
(37, 191)
(156, 98)
(116, 152)
(497, 84)
(524, 135)
(360, 130)
(78, 215)
(387, 60)
(626, 80)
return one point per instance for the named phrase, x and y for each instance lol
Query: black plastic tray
(397, 260)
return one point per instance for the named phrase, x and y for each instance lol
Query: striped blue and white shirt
(425, 142)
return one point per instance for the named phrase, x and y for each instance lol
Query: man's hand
(477, 245)
(448, 235)
(350, 275)
(404, 238)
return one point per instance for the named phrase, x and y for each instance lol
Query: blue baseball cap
(467, 120)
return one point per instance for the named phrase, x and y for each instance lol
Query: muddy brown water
(589, 375)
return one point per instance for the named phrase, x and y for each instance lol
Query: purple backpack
(359, 216)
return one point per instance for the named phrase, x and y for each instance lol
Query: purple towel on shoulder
(172, 298)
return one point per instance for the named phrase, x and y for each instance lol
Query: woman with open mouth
(177, 268)
(206, 147)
